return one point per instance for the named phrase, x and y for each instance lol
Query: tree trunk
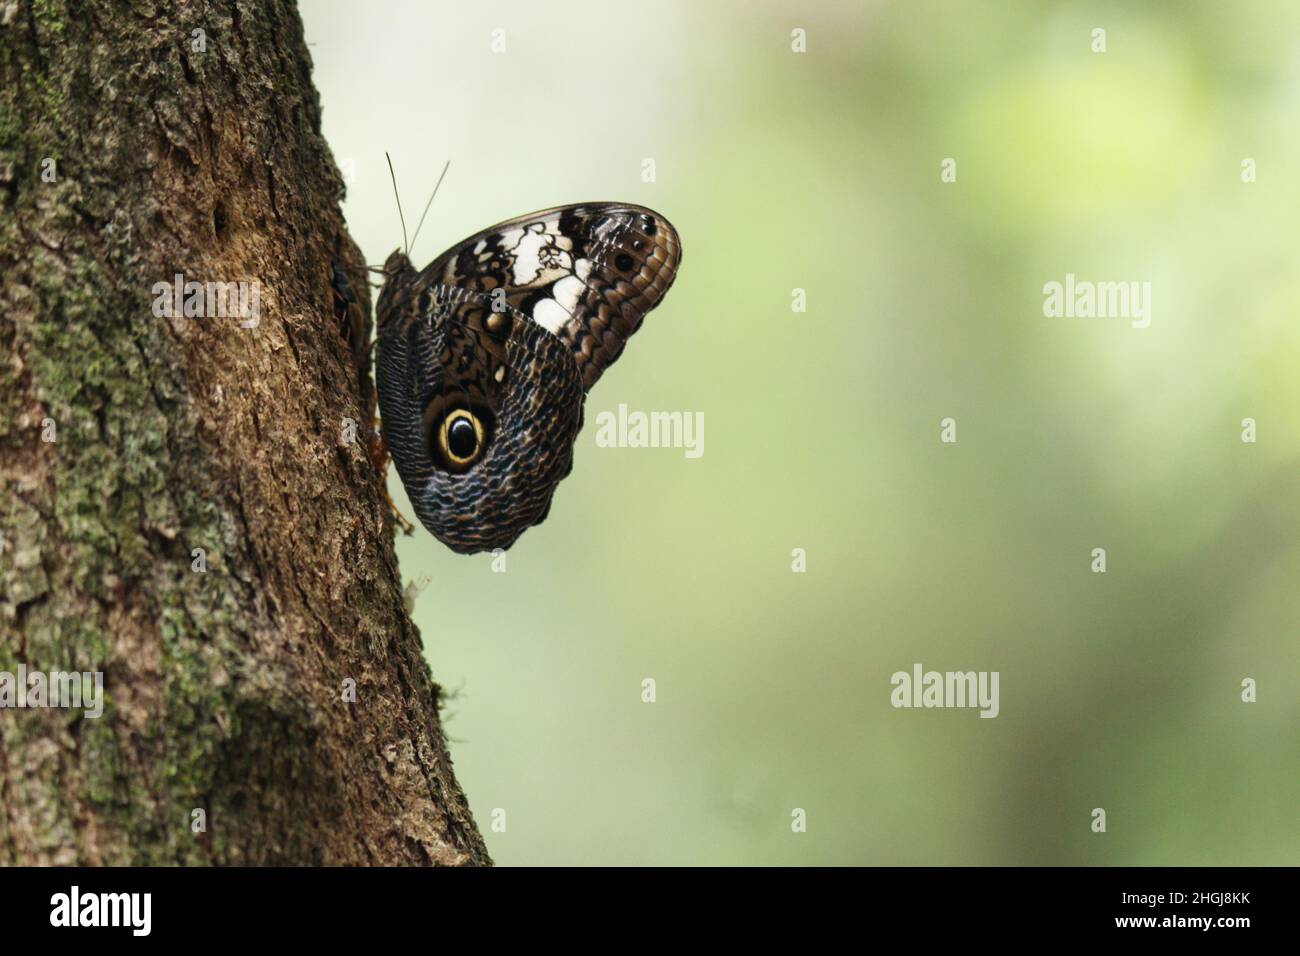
(140, 445)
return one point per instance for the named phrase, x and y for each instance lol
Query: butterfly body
(485, 357)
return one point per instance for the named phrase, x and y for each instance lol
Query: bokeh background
(821, 171)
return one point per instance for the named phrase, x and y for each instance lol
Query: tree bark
(133, 148)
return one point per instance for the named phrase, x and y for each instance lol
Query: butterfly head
(396, 264)
(399, 276)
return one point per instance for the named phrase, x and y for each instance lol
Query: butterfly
(485, 357)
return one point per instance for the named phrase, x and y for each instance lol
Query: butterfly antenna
(430, 202)
(406, 246)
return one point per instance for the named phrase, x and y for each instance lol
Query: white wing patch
(550, 315)
(527, 253)
(541, 255)
(567, 291)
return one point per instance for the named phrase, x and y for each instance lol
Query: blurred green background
(821, 171)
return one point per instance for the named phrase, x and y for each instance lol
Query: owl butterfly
(485, 357)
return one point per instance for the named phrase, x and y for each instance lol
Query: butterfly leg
(379, 459)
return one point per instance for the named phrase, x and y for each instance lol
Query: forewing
(586, 273)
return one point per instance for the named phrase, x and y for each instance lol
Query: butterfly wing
(446, 364)
(587, 273)
(485, 357)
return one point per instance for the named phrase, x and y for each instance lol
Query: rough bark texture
(225, 690)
